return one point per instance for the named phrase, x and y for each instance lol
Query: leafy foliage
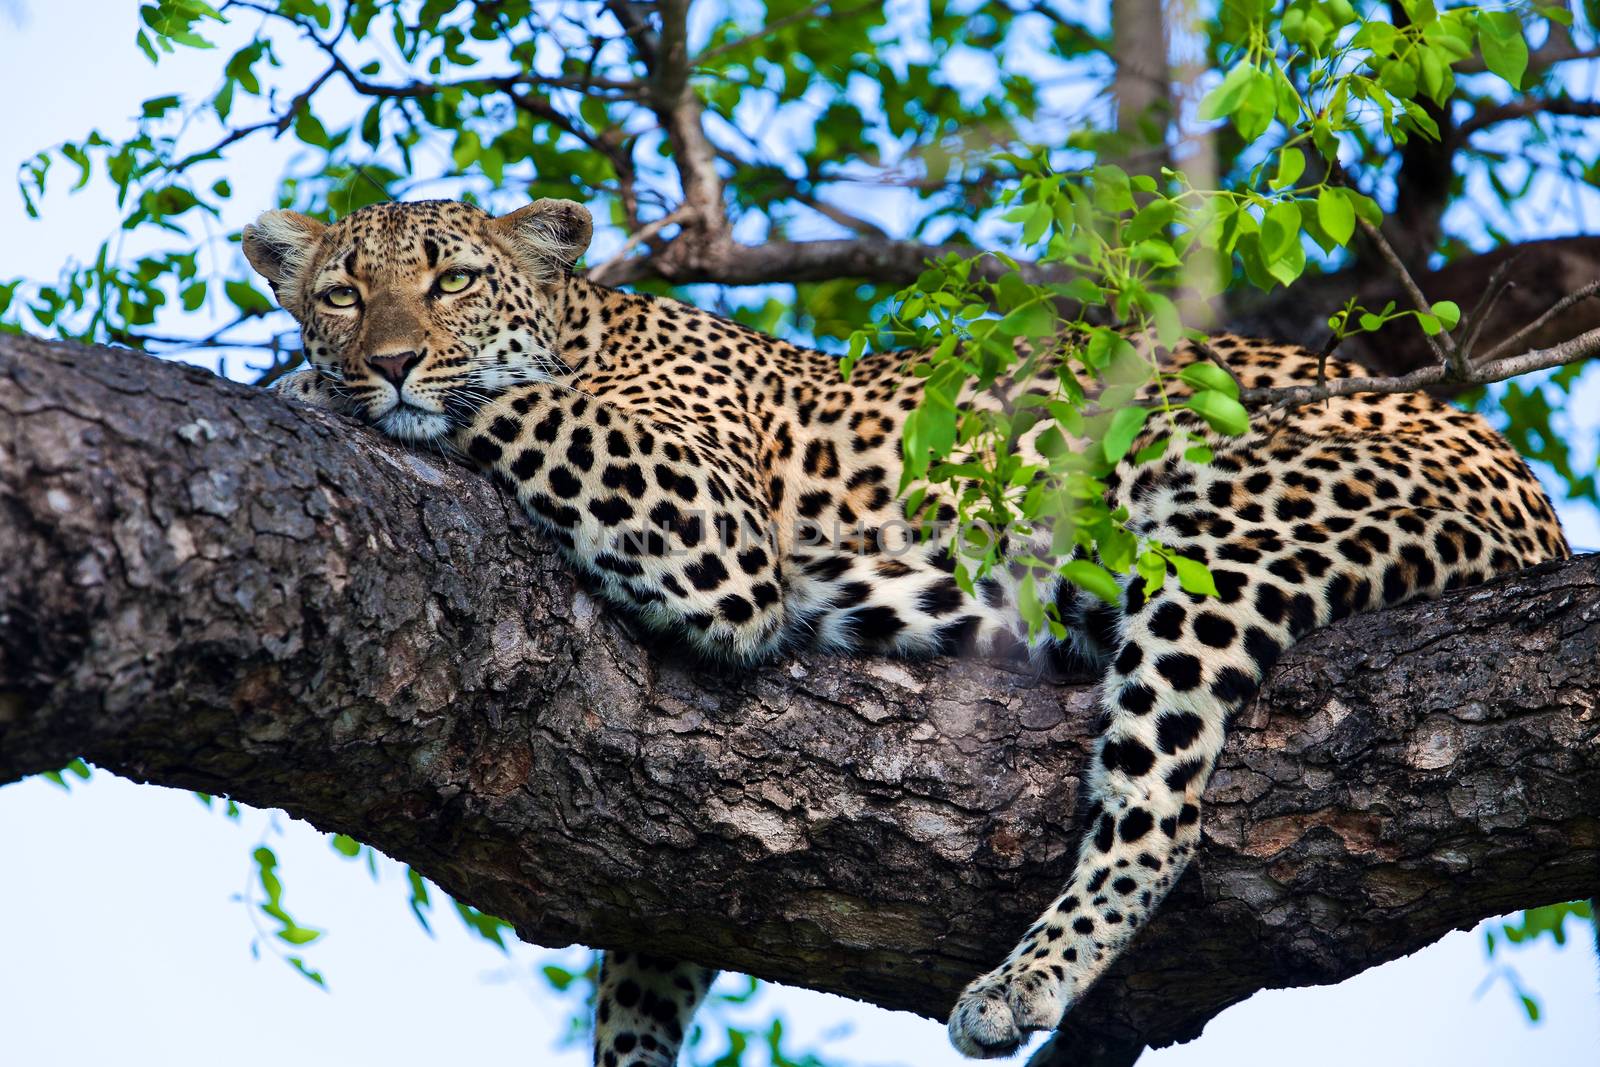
(1535, 925)
(77, 768)
(1304, 86)
(288, 931)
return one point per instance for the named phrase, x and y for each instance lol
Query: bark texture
(207, 587)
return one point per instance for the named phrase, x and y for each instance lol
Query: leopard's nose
(395, 366)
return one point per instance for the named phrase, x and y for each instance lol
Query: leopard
(740, 494)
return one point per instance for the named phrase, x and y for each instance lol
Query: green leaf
(299, 935)
(346, 845)
(1152, 451)
(1194, 576)
(1151, 220)
(372, 125)
(309, 129)
(1291, 165)
(1038, 221)
(1224, 100)
(419, 899)
(1112, 191)
(1336, 214)
(559, 977)
(1093, 578)
(1153, 569)
(1505, 52)
(1028, 605)
(1156, 252)
(1254, 116)
(315, 976)
(485, 926)
(1222, 412)
(1031, 320)
(1205, 374)
(1447, 312)
(1280, 231)
(1125, 426)
(247, 298)
(467, 149)
(158, 106)
(1377, 36)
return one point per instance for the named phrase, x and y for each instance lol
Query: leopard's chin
(408, 423)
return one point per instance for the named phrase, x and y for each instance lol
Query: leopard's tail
(644, 1006)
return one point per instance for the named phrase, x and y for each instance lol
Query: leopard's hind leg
(1185, 665)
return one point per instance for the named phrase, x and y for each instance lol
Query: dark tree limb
(209, 588)
(872, 259)
(1523, 107)
(1541, 274)
(1584, 346)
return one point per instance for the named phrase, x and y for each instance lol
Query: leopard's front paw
(997, 1012)
(311, 386)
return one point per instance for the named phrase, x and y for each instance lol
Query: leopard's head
(423, 312)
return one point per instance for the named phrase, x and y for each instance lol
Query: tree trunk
(207, 587)
(1141, 87)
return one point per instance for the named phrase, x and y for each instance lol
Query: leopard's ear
(548, 235)
(279, 245)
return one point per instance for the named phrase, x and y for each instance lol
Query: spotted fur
(734, 489)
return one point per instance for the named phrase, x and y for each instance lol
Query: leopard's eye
(454, 281)
(341, 296)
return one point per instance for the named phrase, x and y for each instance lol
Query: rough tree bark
(209, 588)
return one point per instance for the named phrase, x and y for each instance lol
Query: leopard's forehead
(408, 235)
(376, 220)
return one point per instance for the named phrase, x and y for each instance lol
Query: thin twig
(793, 190)
(601, 274)
(635, 28)
(1533, 327)
(1442, 346)
(1480, 312)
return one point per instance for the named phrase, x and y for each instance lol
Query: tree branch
(210, 588)
(1584, 346)
(1523, 107)
(888, 261)
(612, 269)
(1534, 328)
(705, 228)
(1544, 273)
(1442, 346)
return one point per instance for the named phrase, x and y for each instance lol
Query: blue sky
(117, 901)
